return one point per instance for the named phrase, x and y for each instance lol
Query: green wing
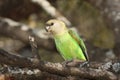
(80, 42)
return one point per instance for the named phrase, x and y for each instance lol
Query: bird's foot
(65, 63)
(74, 63)
(84, 64)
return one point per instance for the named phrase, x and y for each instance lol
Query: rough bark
(98, 71)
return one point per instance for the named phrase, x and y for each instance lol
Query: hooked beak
(47, 28)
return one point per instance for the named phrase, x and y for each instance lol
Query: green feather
(80, 42)
(69, 47)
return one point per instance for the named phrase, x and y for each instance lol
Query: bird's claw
(75, 63)
(65, 63)
(84, 64)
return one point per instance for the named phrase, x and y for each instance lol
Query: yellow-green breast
(68, 47)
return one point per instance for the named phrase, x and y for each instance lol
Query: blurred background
(96, 21)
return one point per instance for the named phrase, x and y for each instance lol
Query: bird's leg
(64, 63)
(75, 63)
(84, 64)
(78, 63)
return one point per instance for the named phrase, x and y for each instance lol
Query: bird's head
(55, 27)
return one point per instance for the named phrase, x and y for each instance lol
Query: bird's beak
(47, 28)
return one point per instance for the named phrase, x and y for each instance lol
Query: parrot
(67, 41)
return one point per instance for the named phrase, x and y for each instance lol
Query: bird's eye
(52, 24)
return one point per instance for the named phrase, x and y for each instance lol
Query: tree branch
(22, 32)
(6, 73)
(56, 68)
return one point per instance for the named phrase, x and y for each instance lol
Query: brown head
(55, 27)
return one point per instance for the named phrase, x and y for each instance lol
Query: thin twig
(34, 48)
